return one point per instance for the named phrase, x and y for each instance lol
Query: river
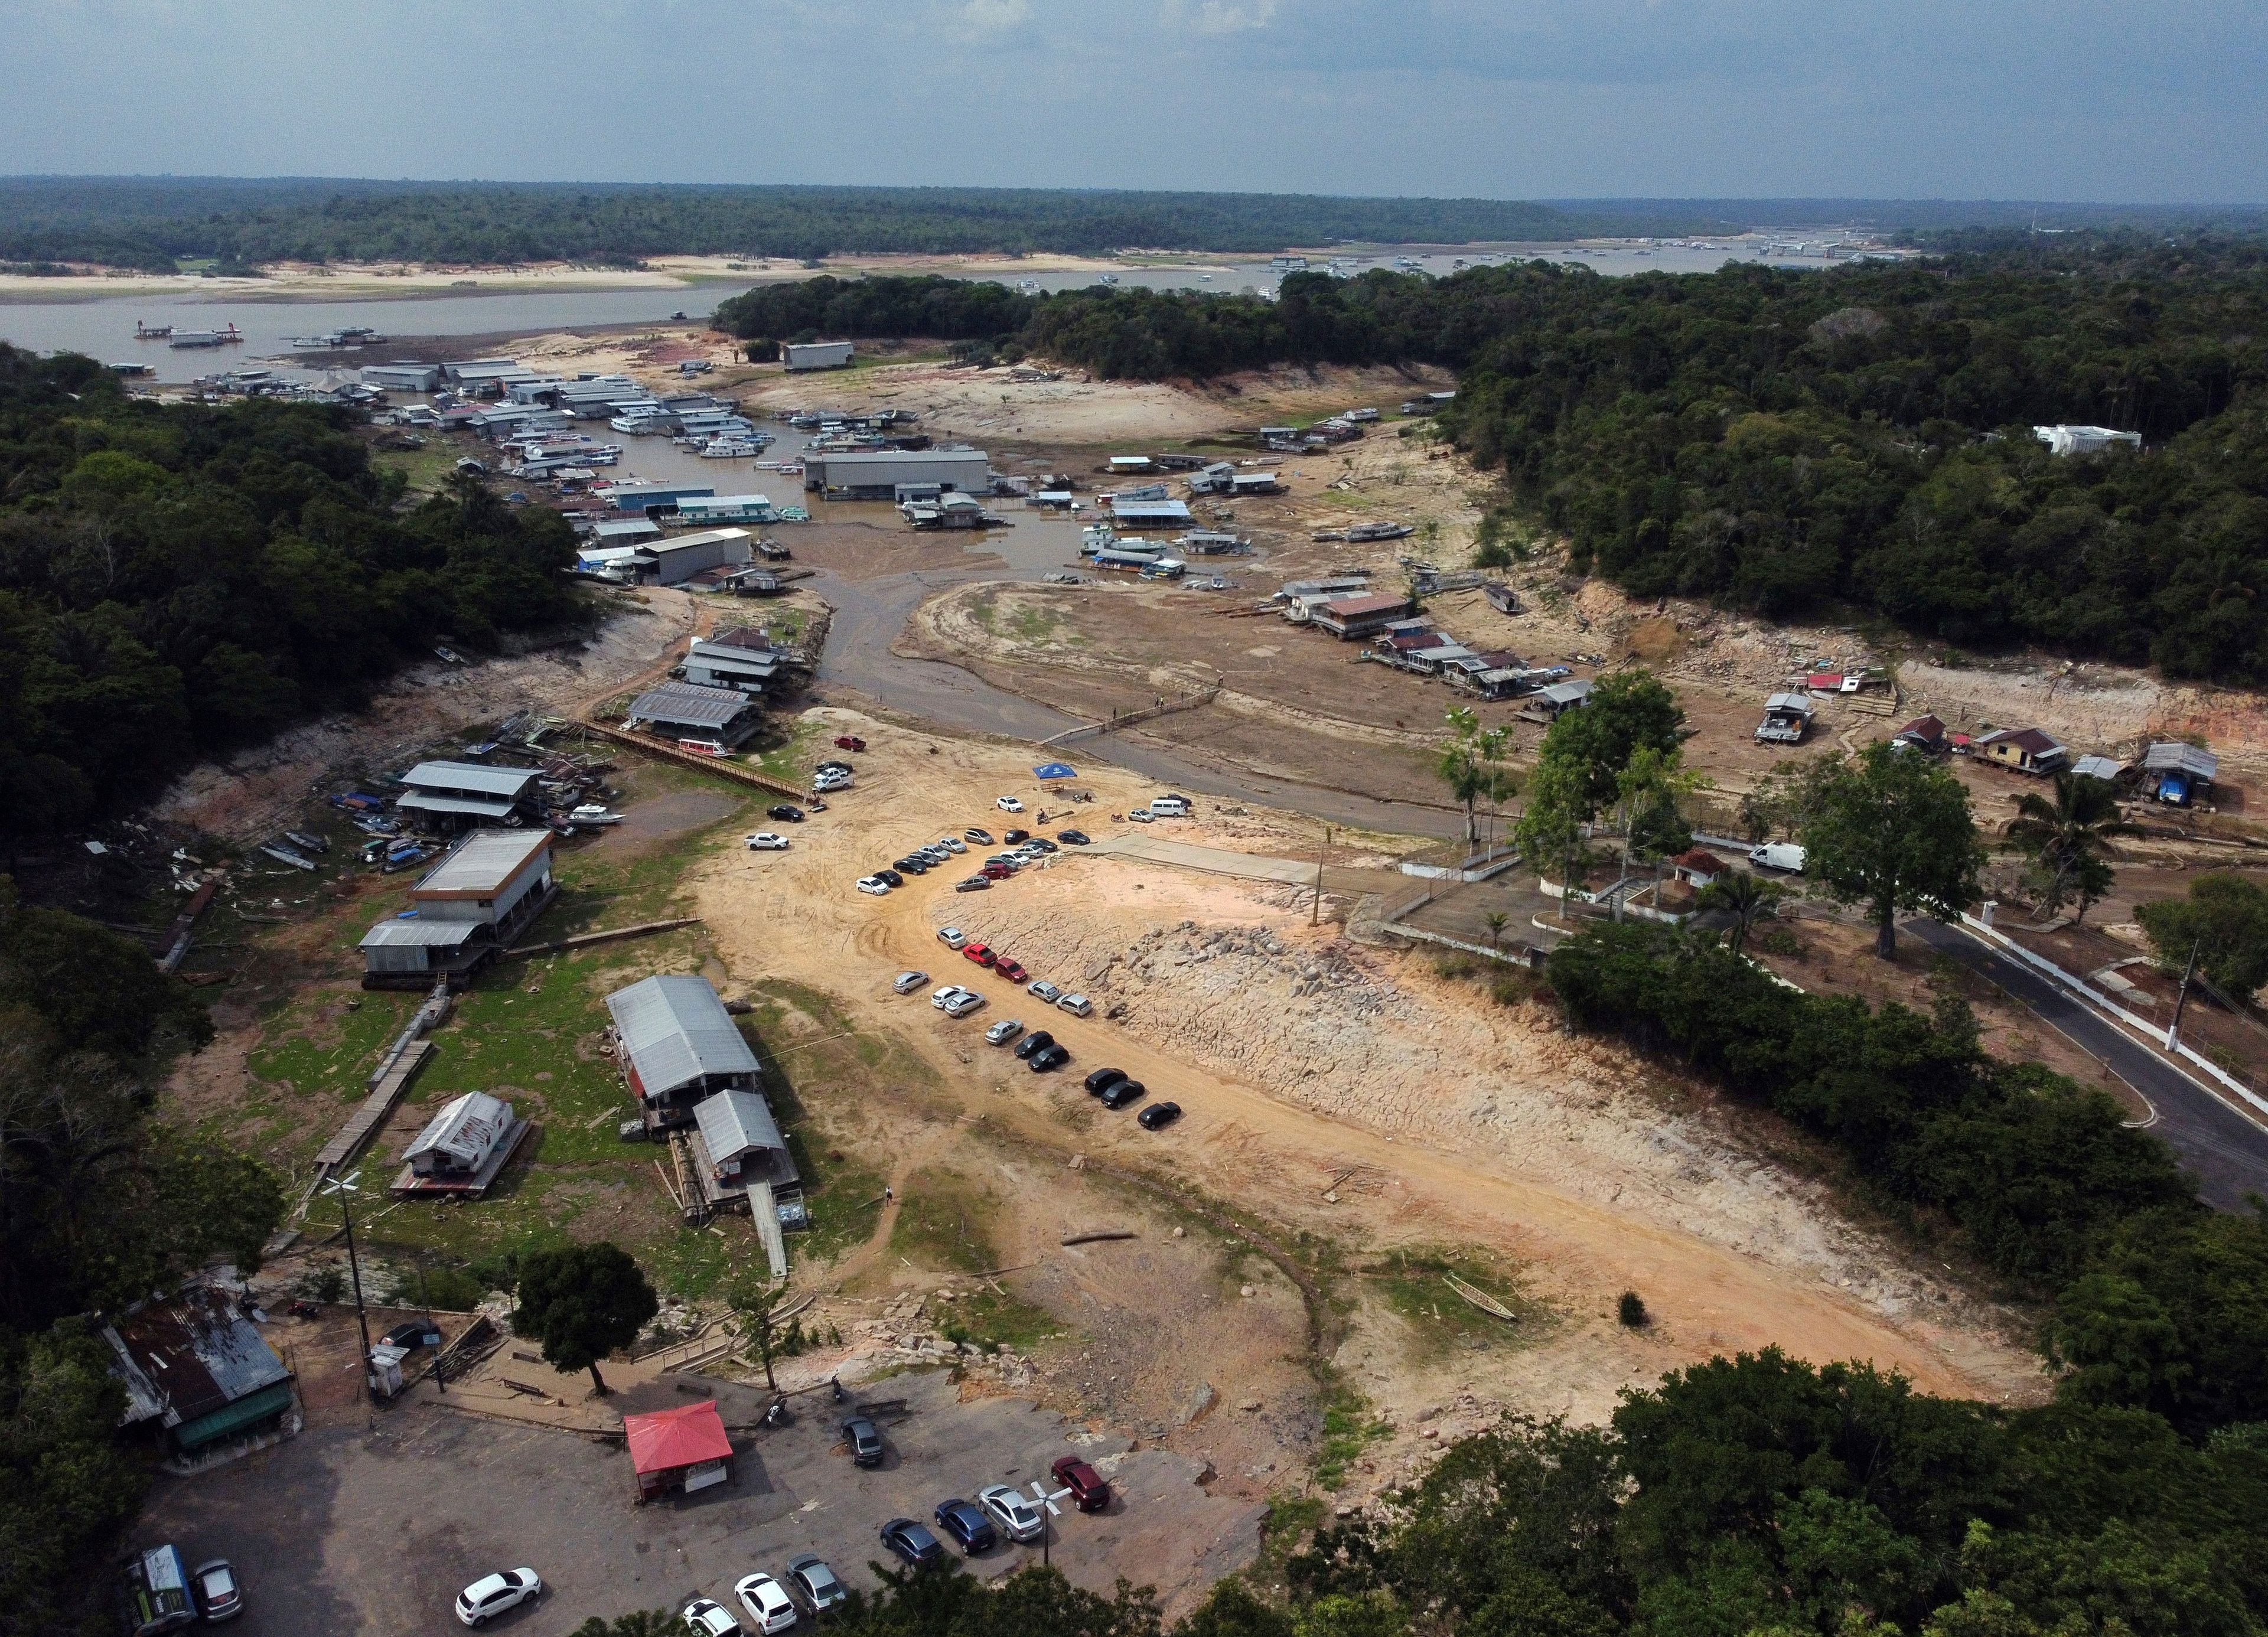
(102, 326)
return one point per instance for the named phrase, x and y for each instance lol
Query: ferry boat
(152, 332)
(728, 449)
(205, 338)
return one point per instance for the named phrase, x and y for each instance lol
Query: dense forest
(180, 579)
(155, 222)
(1779, 440)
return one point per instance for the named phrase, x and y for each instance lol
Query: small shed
(2103, 768)
(1561, 697)
(2179, 773)
(685, 1449)
(1698, 866)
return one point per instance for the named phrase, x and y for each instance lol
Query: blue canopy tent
(1055, 770)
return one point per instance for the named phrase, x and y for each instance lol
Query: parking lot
(344, 1530)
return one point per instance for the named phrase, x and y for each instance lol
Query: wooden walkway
(376, 1108)
(765, 1209)
(723, 766)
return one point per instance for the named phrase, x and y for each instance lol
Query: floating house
(462, 1149)
(2179, 773)
(457, 793)
(714, 719)
(679, 1045)
(196, 1372)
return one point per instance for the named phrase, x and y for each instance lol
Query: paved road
(2227, 1150)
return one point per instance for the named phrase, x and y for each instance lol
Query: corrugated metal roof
(2098, 768)
(466, 776)
(489, 807)
(484, 861)
(1796, 702)
(734, 1121)
(1356, 607)
(675, 1030)
(466, 1131)
(2167, 756)
(418, 933)
(1567, 692)
(687, 704)
(192, 1355)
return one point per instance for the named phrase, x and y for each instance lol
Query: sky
(2077, 100)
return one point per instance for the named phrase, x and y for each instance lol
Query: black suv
(785, 814)
(1038, 1040)
(1103, 1079)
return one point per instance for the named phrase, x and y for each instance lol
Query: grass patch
(945, 1221)
(1285, 1528)
(1414, 1284)
(791, 760)
(1349, 1429)
(424, 471)
(1035, 624)
(984, 608)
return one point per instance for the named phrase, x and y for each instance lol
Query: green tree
(583, 1302)
(1747, 898)
(1468, 764)
(1496, 920)
(758, 1302)
(1626, 712)
(1894, 832)
(636, 1623)
(2225, 920)
(2065, 837)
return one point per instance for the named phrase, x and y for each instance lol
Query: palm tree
(1497, 920)
(2066, 837)
(1467, 765)
(1745, 898)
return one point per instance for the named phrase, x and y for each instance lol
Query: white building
(2084, 440)
(817, 354)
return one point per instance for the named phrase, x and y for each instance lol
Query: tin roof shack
(462, 1149)
(451, 795)
(801, 356)
(2103, 768)
(1216, 479)
(1698, 866)
(196, 1372)
(1787, 718)
(875, 473)
(685, 1449)
(2178, 774)
(1558, 700)
(1255, 483)
(2027, 750)
(714, 718)
(736, 1143)
(1350, 617)
(2084, 440)
(679, 1045)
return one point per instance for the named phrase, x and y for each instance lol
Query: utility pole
(1317, 919)
(431, 1328)
(2182, 996)
(344, 1187)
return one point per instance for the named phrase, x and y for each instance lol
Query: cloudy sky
(2076, 99)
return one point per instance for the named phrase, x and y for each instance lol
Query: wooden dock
(385, 1094)
(723, 766)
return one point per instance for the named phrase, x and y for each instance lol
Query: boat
(305, 842)
(594, 813)
(286, 855)
(152, 332)
(1110, 278)
(728, 449)
(204, 338)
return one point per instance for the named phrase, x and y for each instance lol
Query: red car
(997, 872)
(1089, 1492)
(1011, 969)
(982, 954)
(849, 741)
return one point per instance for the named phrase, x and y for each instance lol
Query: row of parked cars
(999, 1512)
(1022, 849)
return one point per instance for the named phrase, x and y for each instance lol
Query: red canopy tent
(686, 1448)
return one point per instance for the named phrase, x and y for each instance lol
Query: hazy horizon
(2077, 103)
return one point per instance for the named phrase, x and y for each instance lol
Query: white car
(1077, 1005)
(1006, 1030)
(907, 982)
(1009, 804)
(1044, 990)
(491, 1595)
(953, 844)
(963, 1003)
(766, 1602)
(875, 884)
(704, 1617)
(1011, 1513)
(952, 937)
(766, 841)
(1140, 815)
(945, 995)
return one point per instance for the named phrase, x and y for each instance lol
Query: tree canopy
(583, 1302)
(1891, 830)
(177, 580)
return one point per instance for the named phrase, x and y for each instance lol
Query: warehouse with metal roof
(718, 717)
(458, 791)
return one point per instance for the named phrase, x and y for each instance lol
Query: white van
(1169, 807)
(1779, 855)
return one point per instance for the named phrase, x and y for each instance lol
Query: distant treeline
(1779, 440)
(176, 580)
(157, 222)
